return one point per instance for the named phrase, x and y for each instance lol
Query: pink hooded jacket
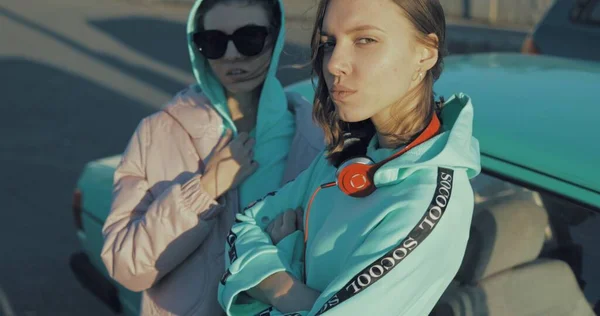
(165, 235)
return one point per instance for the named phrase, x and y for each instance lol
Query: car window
(572, 233)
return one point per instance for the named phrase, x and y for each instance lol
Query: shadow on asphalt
(161, 40)
(52, 122)
(157, 80)
(64, 116)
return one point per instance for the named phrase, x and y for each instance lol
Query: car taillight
(77, 209)
(529, 47)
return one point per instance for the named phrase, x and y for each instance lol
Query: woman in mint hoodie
(378, 224)
(182, 180)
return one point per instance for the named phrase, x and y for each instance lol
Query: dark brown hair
(427, 17)
(272, 7)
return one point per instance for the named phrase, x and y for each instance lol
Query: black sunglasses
(249, 41)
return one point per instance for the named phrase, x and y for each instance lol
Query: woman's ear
(428, 54)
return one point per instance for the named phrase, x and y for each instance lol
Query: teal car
(533, 247)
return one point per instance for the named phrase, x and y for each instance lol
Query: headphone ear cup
(354, 177)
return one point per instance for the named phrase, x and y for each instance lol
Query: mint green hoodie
(275, 124)
(361, 254)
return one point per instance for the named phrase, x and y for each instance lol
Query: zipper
(306, 217)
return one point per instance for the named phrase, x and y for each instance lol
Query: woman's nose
(231, 52)
(338, 64)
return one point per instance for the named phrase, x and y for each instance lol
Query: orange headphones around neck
(354, 176)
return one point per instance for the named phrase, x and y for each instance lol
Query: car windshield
(529, 253)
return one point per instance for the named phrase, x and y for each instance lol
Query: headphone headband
(429, 132)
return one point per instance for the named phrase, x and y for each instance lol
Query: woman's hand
(285, 292)
(230, 165)
(285, 224)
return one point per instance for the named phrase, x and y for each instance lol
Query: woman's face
(236, 72)
(370, 57)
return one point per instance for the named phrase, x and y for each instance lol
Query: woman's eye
(365, 40)
(328, 45)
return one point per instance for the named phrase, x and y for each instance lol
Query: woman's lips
(236, 72)
(341, 93)
(238, 75)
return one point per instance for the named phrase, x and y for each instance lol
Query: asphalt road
(76, 76)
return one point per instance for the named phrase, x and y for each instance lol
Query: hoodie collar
(378, 154)
(454, 148)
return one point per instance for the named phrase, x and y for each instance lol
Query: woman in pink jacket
(216, 146)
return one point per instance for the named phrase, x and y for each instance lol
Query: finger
(289, 221)
(245, 171)
(242, 137)
(277, 222)
(224, 140)
(238, 143)
(277, 227)
(300, 218)
(250, 168)
(251, 141)
(245, 154)
(249, 145)
(248, 158)
(245, 163)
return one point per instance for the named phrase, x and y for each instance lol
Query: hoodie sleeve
(141, 228)
(407, 260)
(252, 257)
